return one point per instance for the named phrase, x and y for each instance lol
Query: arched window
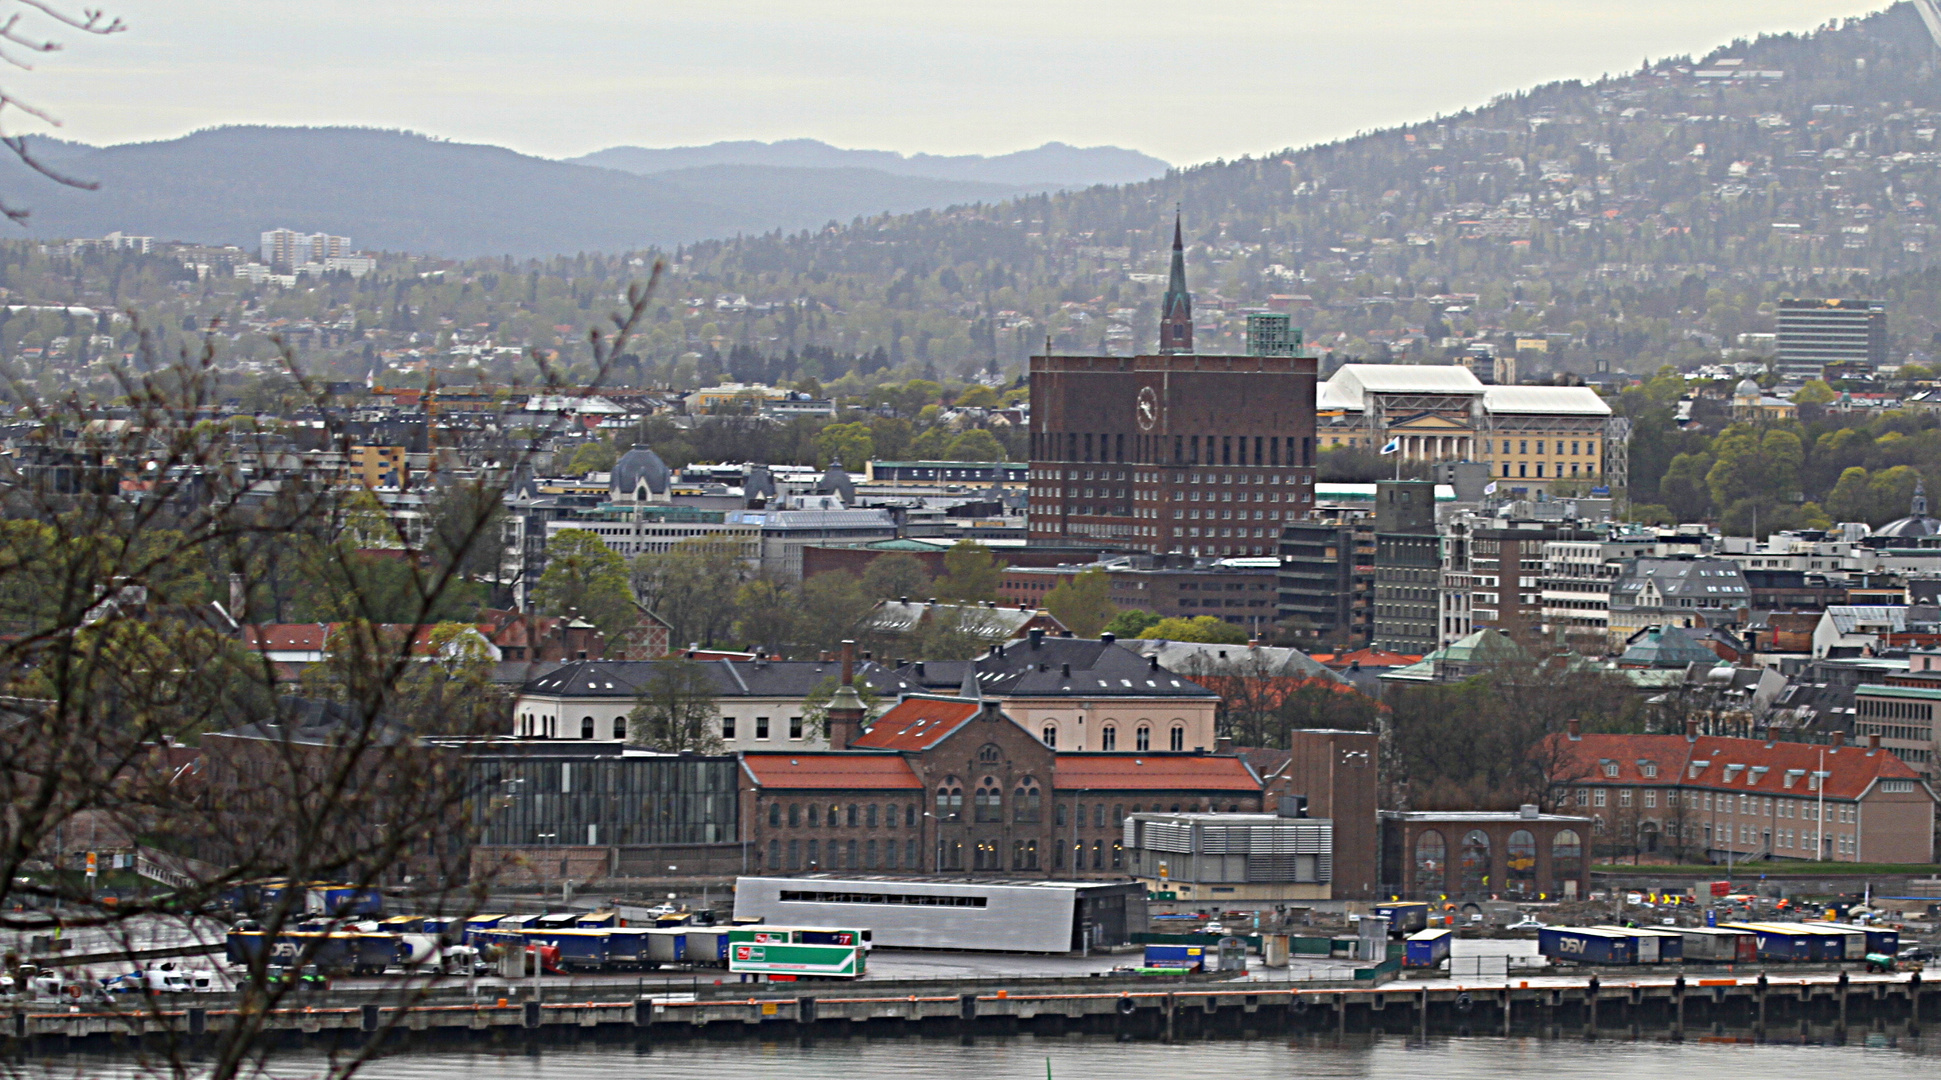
(1566, 861)
(1051, 736)
(1177, 741)
(1142, 738)
(815, 815)
(1027, 805)
(586, 727)
(774, 815)
(989, 800)
(620, 728)
(990, 754)
(1520, 862)
(1475, 862)
(1431, 863)
(1109, 738)
(795, 815)
(950, 799)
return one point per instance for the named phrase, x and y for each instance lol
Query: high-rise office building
(1814, 334)
(1175, 452)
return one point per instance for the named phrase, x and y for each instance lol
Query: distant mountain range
(399, 191)
(1051, 166)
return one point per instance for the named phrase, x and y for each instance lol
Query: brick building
(1171, 453)
(1168, 586)
(1335, 771)
(1690, 797)
(947, 785)
(1480, 854)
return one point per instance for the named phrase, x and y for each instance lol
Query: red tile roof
(917, 723)
(1368, 658)
(831, 771)
(1763, 771)
(1154, 772)
(281, 637)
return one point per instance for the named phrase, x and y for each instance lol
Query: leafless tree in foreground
(20, 41)
(141, 535)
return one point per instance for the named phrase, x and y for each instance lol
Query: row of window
(1478, 871)
(872, 854)
(1523, 446)
(1725, 802)
(1523, 470)
(1109, 738)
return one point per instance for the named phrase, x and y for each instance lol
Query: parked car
(1526, 923)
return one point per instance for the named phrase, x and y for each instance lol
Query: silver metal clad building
(1229, 854)
(916, 913)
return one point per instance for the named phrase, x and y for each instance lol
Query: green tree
(675, 710)
(815, 705)
(1203, 628)
(833, 604)
(1130, 622)
(586, 577)
(971, 573)
(1815, 392)
(692, 587)
(1852, 497)
(596, 456)
(1683, 486)
(1082, 602)
(852, 444)
(1892, 493)
(896, 574)
(975, 445)
(766, 614)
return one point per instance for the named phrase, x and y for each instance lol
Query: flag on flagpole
(1393, 446)
(1489, 488)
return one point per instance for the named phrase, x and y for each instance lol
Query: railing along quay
(1777, 1006)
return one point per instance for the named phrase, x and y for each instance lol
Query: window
(950, 800)
(1475, 862)
(1142, 738)
(990, 754)
(910, 820)
(1624, 797)
(870, 819)
(989, 801)
(1651, 799)
(1520, 863)
(795, 854)
(586, 728)
(1051, 736)
(795, 727)
(1060, 815)
(1109, 738)
(1566, 859)
(795, 815)
(620, 728)
(815, 815)
(774, 815)
(850, 818)
(1118, 855)
(1026, 806)
(1597, 797)
(1177, 741)
(774, 854)
(761, 727)
(869, 853)
(727, 727)
(1431, 862)
(1583, 796)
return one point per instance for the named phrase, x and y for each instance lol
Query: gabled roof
(1037, 669)
(1351, 381)
(1155, 772)
(732, 679)
(835, 771)
(1748, 765)
(1195, 658)
(917, 723)
(1575, 400)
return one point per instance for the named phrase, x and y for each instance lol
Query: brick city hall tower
(1175, 452)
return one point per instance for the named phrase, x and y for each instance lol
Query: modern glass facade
(607, 800)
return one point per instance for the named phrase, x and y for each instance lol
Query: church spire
(1176, 309)
(1920, 507)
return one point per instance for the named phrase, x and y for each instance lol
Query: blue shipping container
(1404, 919)
(1427, 949)
(1191, 957)
(1777, 944)
(1879, 939)
(1585, 946)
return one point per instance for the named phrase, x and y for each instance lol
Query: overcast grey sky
(1187, 81)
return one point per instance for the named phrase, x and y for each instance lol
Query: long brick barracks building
(1178, 452)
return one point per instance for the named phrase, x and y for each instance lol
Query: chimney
(1065, 670)
(1691, 729)
(1037, 636)
(1108, 637)
(1575, 729)
(1152, 662)
(1223, 744)
(1528, 811)
(1873, 743)
(846, 709)
(1839, 739)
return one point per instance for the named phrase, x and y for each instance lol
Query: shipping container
(1778, 943)
(581, 950)
(1651, 946)
(1427, 948)
(708, 948)
(598, 920)
(665, 944)
(559, 920)
(1837, 943)
(1584, 945)
(1716, 944)
(1187, 957)
(626, 948)
(479, 927)
(1880, 939)
(1404, 919)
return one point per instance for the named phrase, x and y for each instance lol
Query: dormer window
(1649, 768)
(1611, 769)
(1792, 777)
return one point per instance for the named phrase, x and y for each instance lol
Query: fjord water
(1864, 1057)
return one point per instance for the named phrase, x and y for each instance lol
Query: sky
(1185, 81)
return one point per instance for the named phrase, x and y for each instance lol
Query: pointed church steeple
(1176, 308)
(1920, 507)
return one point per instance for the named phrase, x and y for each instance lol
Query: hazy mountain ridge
(1051, 166)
